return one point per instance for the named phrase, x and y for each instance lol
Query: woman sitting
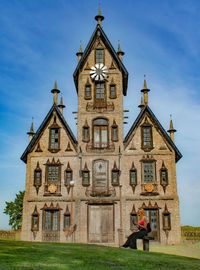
(139, 233)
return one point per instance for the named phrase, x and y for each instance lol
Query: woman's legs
(128, 241)
(133, 239)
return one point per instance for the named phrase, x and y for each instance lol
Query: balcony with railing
(100, 147)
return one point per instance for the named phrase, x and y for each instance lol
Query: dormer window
(99, 56)
(54, 137)
(147, 137)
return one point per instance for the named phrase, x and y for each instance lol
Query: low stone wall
(11, 235)
(189, 233)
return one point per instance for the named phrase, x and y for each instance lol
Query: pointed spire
(145, 91)
(61, 106)
(171, 129)
(31, 132)
(80, 52)
(99, 18)
(55, 91)
(120, 53)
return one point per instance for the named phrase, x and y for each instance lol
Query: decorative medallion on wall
(149, 187)
(52, 188)
(99, 72)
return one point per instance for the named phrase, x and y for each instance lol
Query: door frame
(88, 221)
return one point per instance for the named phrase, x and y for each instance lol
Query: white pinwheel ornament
(99, 72)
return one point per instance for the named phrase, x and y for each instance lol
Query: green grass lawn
(27, 255)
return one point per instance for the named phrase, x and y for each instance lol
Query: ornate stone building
(88, 189)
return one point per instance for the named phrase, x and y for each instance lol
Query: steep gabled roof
(112, 52)
(41, 128)
(149, 112)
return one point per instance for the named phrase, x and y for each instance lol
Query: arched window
(100, 133)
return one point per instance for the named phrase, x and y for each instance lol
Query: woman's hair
(141, 213)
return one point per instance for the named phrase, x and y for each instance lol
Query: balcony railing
(100, 147)
(100, 107)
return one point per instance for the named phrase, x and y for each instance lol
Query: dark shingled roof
(149, 112)
(42, 126)
(112, 52)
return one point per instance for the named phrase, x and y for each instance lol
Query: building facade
(89, 189)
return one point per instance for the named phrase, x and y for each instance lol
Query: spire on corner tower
(171, 129)
(79, 53)
(141, 106)
(31, 132)
(55, 91)
(120, 52)
(61, 106)
(99, 18)
(145, 91)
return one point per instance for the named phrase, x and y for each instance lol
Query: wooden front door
(101, 223)
(153, 217)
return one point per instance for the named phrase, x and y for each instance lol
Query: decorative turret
(145, 91)
(79, 53)
(55, 93)
(120, 52)
(99, 18)
(171, 129)
(141, 106)
(61, 106)
(31, 132)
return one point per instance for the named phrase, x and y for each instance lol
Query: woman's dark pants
(132, 239)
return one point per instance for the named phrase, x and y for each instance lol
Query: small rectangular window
(115, 134)
(86, 134)
(37, 177)
(147, 137)
(87, 91)
(100, 91)
(99, 57)
(164, 177)
(54, 139)
(53, 174)
(67, 221)
(113, 91)
(68, 177)
(148, 172)
(115, 178)
(85, 178)
(133, 177)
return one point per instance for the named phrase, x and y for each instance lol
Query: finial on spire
(171, 129)
(145, 91)
(31, 132)
(119, 51)
(80, 52)
(145, 83)
(55, 91)
(61, 106)
(99, 18)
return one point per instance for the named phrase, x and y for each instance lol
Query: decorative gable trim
(147, 111)
(54, 109)
(99, 32)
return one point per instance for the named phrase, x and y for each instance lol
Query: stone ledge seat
(145, 241)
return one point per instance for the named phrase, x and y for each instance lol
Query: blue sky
(38, 43)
